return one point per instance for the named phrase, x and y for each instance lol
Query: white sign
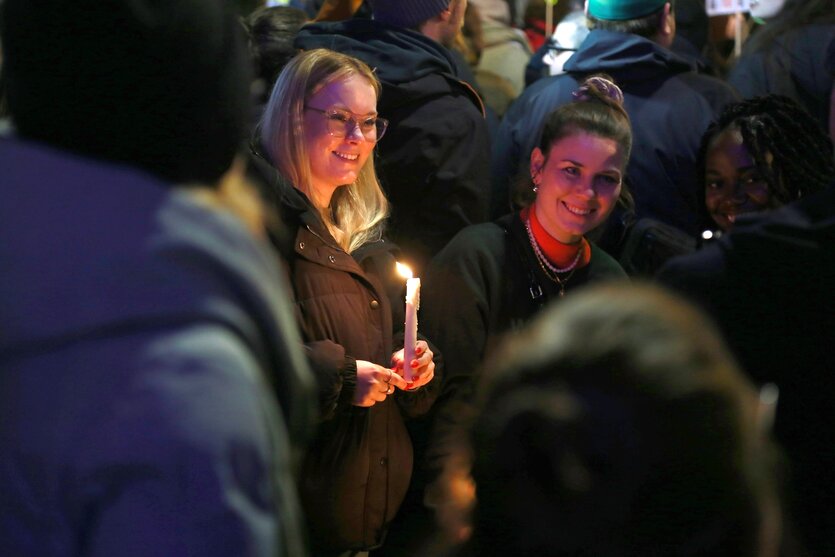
(725, 7)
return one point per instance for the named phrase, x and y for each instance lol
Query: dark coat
(359, 465)
(537, 68)
(487, 283)
(434, 161)
(139, 330)
(768, 285)
(799, 64)
(483, 285)
(670, 106)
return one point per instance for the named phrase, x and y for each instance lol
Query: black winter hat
(407, 13)
(159, 84)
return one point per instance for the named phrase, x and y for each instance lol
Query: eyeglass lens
(341, 124)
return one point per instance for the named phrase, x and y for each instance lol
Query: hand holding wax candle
(410, 334)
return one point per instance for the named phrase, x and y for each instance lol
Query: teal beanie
(618, 10)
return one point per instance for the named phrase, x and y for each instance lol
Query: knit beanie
(407, 13)
(158, 84)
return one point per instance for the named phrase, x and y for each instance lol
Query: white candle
(410, 333)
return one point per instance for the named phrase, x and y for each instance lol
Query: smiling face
(336, 161)
(733, 185)
(578, 184)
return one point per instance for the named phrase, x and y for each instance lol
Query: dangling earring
(535, 180)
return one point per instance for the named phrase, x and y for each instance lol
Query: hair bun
(599, 86)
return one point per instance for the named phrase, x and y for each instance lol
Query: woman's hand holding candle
(422, 367)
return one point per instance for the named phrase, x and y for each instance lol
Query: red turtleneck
(558, 253)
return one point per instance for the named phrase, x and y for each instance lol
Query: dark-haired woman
(494, 277)
(761, 154)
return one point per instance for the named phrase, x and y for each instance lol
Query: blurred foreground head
(618, 425)
(159, 84)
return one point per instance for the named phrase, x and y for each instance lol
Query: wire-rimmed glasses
(342, 123)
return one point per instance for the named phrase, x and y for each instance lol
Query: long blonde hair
(356, 213)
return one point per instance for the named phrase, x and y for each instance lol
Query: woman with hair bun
(494, 277)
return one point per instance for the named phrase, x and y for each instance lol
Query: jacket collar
(295, 207)
(397, 55)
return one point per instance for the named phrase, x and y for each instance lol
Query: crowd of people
(623, 237)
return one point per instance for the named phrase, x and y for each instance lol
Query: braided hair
(802, 159)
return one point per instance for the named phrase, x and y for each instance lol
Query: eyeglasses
(342, 123)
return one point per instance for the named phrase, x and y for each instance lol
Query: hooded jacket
(358, 468)
(141, 332)
(670, 106)
(768, 286)
(434, 159)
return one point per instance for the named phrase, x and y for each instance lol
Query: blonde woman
(319, 130)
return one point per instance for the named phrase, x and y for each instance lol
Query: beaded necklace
(551, 271)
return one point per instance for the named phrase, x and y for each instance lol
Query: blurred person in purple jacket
(145, 330)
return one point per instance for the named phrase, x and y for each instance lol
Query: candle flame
(404, 270)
